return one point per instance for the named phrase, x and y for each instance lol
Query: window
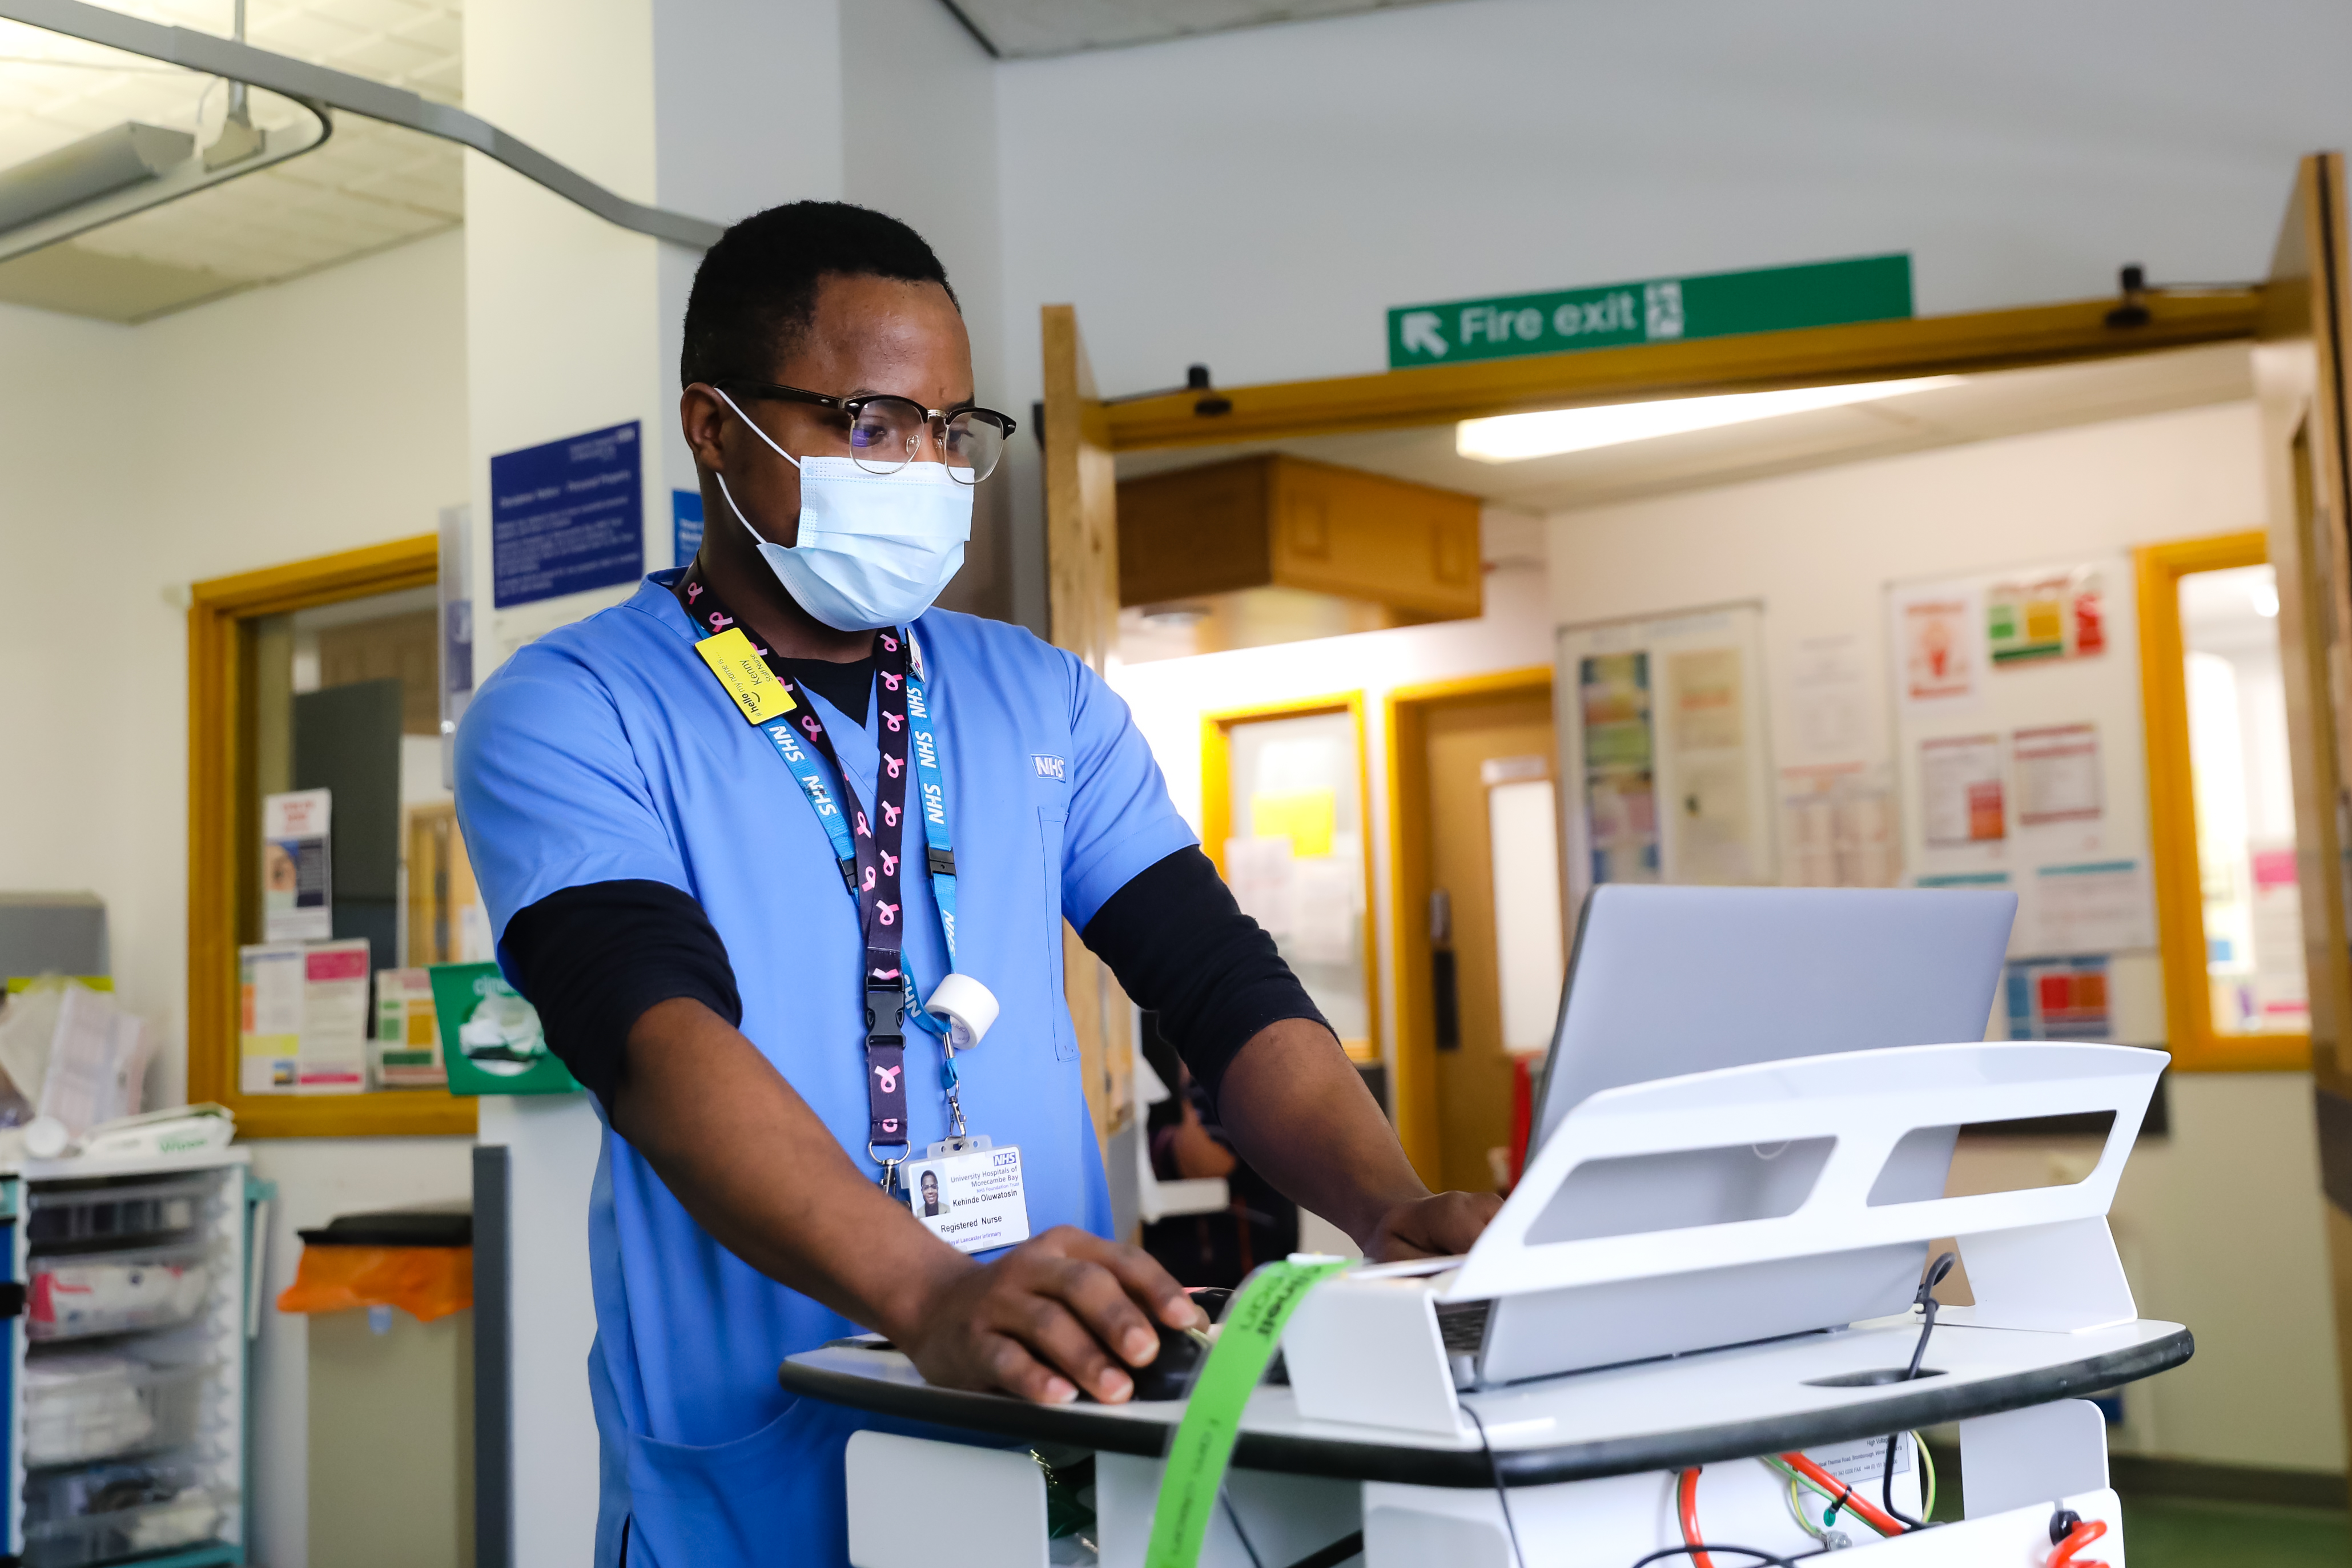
(320, 676)
(2221, 805)
(1283, 805)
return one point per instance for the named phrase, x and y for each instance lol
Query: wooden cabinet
(1404, 553)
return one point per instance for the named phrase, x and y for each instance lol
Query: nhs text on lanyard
(965, 1190)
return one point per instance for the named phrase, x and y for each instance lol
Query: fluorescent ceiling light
(1514, 438)
(128, 154)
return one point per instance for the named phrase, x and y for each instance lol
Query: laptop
(1665, 981)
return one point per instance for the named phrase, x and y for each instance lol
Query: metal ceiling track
(319, 88)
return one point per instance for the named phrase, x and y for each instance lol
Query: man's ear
(701, 417)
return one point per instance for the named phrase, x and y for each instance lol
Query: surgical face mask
(874, 550)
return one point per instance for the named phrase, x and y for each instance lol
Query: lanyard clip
(942, 861)
(886, 1014)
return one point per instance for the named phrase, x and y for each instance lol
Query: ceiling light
(1514, 438)
(2265, 597)
(125, 155)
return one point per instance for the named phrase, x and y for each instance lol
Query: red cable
(1687, 1502)
(2085, 1532)
(1852, 1501)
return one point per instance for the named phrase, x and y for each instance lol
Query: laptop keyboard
(1462, 1326)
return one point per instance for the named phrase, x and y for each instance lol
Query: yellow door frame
(1217, 807)
(1404, 715)
(224, 839)
(2196, 1045)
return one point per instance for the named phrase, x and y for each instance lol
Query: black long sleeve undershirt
(593, 959)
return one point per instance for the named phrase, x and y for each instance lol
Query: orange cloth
(429, 1282)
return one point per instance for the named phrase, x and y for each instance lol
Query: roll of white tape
(46, 1137)
(969, 1007)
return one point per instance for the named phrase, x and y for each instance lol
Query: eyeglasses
(885, 430)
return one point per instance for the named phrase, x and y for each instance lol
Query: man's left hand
(1443, 1225)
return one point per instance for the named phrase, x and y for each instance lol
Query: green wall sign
(1663, 310)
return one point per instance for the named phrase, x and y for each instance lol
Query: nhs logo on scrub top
(1051, 768)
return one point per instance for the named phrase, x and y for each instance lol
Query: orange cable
(1852, 1501)
(2085, 1532)
(1687, 1504)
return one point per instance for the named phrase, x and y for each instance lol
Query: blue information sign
(685, 525)
(567, 516)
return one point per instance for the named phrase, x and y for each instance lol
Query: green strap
(1213, 1418)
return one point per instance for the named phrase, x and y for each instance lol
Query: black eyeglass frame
(779, 393)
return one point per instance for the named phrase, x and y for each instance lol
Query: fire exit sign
(1659, 309)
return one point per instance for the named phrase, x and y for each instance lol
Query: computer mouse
(1170, 1372)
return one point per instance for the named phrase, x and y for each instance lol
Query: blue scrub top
(607, 751)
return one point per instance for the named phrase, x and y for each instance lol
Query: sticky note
(1307, 817)
(745, 676)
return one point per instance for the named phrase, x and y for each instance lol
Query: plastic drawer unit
(128, 1391)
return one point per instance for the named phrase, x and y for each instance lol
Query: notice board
(567, 516)
(1665, 755)
(2019, 754)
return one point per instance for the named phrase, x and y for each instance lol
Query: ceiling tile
(369, 187)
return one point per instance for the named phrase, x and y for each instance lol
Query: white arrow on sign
(1418, 330)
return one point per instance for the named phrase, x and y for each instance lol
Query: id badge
(969, 1193)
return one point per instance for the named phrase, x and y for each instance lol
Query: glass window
(350, 834)
(1295, 858)
(2244, 801)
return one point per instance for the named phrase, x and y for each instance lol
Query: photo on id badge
(967, 1192)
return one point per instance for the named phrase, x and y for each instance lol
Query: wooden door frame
(220, 763)
(2190, 1033)
(1405, 715)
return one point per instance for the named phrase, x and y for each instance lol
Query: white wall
(293, 421)
(283, 423)
(918, 103)
(2221, 1225)
(1257, 199)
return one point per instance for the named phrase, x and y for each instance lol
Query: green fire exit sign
(1660, 309)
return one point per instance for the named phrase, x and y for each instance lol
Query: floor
(2176, 1533)
(2165, 1531)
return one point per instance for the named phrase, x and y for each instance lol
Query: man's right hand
(1035, 1322)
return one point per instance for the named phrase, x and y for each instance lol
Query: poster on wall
(2058, 778)
(2052, 615)
(2038, 776)
(1710, 730)
(1837, 827)
(1666, 745)
(1620, 800)
(1960, 796)
(2060, 999)
(1939, 648)
(2097, 906)
(1828, 690)
(296, 886)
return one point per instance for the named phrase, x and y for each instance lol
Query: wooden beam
(1815, 356)
(1082, 611)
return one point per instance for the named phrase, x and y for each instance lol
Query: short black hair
(755, 291)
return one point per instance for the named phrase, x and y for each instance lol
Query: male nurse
(782, 853)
